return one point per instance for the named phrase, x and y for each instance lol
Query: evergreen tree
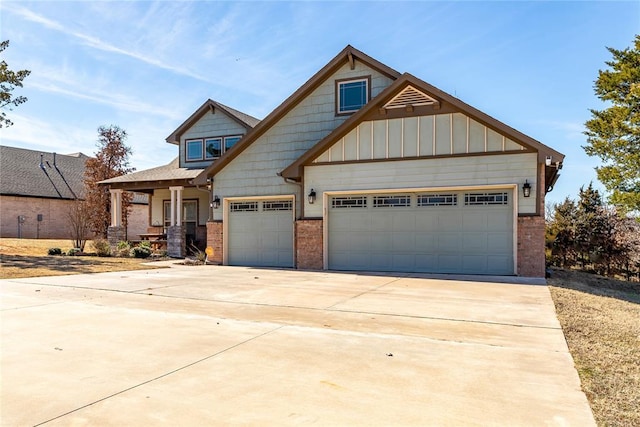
(613, 134)
(9, 80)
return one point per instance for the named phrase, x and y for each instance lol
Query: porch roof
(159, 177)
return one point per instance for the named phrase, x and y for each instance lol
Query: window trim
(166, 202)
(339, 82)
(203, 146)
(186, 150)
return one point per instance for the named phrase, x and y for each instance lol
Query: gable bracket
(352, 62)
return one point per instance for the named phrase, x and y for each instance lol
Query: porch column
(116, 207)
(176, 239)
(116, 232)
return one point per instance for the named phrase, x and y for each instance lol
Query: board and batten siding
(209, 125)
(437, 135)
(435, 173)
(254, 172)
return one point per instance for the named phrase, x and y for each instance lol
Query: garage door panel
(260, 234)
(474, 242)
(439, 233)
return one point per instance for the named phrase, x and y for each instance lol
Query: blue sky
(147, 65)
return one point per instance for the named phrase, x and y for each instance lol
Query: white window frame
(187, 143)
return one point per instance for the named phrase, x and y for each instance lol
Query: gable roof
(384, 106)
(241, 118)
(347, 56)
(32, 173)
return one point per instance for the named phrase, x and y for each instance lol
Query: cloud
(99, 44)
(29, 131)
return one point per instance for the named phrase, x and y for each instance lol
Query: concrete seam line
(364, 292)
(160, 376)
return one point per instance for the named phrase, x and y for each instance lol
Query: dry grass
(28, 258)
(601, 321)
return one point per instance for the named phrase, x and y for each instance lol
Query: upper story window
(194, 150)
(208, 148)
(351, 95)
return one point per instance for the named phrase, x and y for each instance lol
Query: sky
(146, 66)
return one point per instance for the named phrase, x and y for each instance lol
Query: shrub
(123, 249)
(74, 251)
(55, 251)
(140, 252)
(101, 246)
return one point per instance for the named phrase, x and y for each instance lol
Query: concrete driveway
(211, 345)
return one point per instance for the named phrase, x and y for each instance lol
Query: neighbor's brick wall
(138, 221)
(55, 223)
(214, 239)
(531, 257)
(309, 244)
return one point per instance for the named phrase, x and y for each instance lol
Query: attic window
(351, 95)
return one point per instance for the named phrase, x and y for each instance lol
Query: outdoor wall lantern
(526, 188)
(312, 196)
(216, 202)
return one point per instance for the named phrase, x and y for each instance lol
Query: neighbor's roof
(23, 174)
(169, 172)
(245, 120)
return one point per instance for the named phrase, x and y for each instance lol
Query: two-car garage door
(468, 232)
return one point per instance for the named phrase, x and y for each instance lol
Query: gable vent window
(391, 201)
(349, 202)
(438, 200)
(351, 95)
(474, 199)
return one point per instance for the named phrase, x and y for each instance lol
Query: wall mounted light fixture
(216, 202)
(312, 196)
(526, 189)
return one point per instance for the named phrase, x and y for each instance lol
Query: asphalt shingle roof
(21, 174)
(168, 172)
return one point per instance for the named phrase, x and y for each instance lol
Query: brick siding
(214, 240)
(309, 244)
(531, 256)
(55, 223)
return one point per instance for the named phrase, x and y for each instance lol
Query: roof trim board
(244, 120)
(375, 110)
(346, 56)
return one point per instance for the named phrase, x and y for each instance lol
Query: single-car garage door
(260, 233)
(469, 232)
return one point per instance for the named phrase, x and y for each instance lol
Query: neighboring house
(361, 168)
(37, 189)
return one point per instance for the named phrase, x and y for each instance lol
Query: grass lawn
(29, 258)
(600, 318)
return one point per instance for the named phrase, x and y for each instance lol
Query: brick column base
(309, 244)
(176, 241)
(115, 235)
(214, 240)
(531, 256)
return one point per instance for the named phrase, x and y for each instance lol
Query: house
(361, 168)
(37, 189)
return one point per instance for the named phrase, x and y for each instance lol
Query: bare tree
(78, 217)
(111, 160)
